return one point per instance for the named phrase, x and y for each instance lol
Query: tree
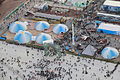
(52, 50)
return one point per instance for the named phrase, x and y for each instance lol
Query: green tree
(52, 50)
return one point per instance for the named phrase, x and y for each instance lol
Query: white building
(111, 5)
(108, 17)
(109, 28)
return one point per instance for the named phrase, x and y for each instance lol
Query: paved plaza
(23, 63)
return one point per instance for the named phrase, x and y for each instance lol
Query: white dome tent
(42, 25)
(60, 28)
(16, 26)
(23, 37)
(110, 53)
(40, 38)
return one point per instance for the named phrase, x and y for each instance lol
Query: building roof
(106, 14)
(112, 3)
(48, 16)
(111, 27)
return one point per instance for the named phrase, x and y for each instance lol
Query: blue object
(98, 23)
(79, 54)
(67, 47)
(3, 38)
(4, 34)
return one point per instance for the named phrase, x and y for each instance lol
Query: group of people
(23, 63)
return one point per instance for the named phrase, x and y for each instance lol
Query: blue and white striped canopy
(110, 53)
(59, 28)
(16, 26)
(23, 37)
(42, 25)
(42, 37)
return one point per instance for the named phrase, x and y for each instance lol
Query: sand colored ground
(10, 36)
(7, 6)
(70, 67)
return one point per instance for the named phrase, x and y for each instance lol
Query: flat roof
(112, 3)
(106, 14)
(108, 26)
(48, 16)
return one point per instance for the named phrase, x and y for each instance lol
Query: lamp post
(73, 35)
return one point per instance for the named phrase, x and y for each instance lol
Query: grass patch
(92, 57)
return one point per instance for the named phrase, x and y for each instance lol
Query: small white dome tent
(109, 53)
(60, 28)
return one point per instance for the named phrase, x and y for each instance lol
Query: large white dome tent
(41, 25)
(40, 38)
(23, 37)
(16, 26)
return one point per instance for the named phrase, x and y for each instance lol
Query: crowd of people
(23, 63)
